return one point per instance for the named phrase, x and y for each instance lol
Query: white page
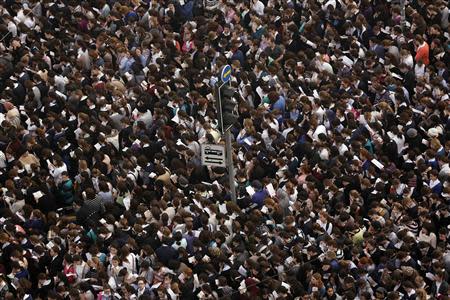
(271, 190)
(250, 190)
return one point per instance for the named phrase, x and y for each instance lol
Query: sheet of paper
(20, 216)
(127, 202)
(250, 190)
(287, 286)
(242, 271)
(264, 210)
(395, 75)
(155, 286)
(271, 190)
(50, 245)
(315, 94)
(260, 92)
(37, 195)
(223, 208)
(207, 210)
(347, 61)
(176, 119)
(241, 156)
(180, 143)
(377, 164)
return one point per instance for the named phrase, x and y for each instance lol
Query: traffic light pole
(402, 10)
(219, 113)
(228, 148)
(229, 152)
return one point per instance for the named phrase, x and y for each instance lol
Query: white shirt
(329, 2)
(445, 170)
(146, 118)
(81, 270)
(2, 160)
(320, 129)
(342, 149)
(130, 264)
(286, 131)
(400, 141)
(324, 154)
(434, 183)
(324, 66)
(194, 147)
(60, 83)
(29, 22)
(408, 60)
(328, 227)
(258, 7)
(320, 113)
(419, 70)
(56, 173)
(12, 28)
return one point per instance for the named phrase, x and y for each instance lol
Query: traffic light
(226, 107)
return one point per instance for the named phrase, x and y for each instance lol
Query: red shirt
(69, 271)
(423, 54)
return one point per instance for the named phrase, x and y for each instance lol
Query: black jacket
(90, 211)
(166, 253)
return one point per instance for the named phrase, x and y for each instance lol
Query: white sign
(213, 155)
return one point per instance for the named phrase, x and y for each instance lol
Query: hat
(182, 181)
(381, 290)
(411, 133)
(433, 132)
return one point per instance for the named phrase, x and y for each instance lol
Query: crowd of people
(341, 150)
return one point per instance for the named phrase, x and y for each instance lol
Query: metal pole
(228, 148)
(220, 110)
(402, 10)
(229, 152)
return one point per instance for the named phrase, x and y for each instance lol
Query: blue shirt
(437, 189)
(259, 197)
(125, 65)
(238, 55)
(280, 104)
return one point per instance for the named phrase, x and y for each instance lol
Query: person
(4, 288)
(91, 208)
(65, 189)
(165, 253)
(339, 144)
(142, 288)
(422, 51)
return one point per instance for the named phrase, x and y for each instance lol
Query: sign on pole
(225, 75)
(213, 155)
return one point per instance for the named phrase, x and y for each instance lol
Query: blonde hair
(435, 144)
(248, 123)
